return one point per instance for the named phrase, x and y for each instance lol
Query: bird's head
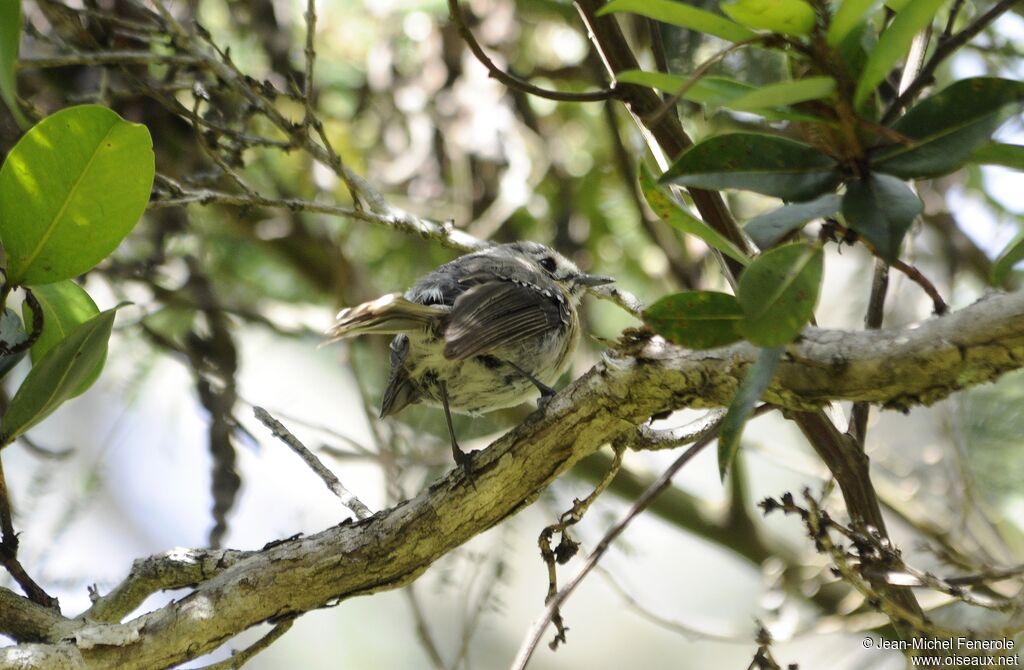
(555, 266)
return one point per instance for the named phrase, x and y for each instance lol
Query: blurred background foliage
(408, 107)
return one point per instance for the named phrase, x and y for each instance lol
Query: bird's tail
(387, 315)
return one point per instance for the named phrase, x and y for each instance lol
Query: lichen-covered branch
(897, 368)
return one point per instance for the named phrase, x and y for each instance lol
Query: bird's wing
(400, 390)
(491, 314)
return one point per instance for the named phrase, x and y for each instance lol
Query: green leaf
(881, 208)
(682, 15)
(10, 39)
(57, 376)
(894, 44)
(696, 319)
(70, 190)
(789, 17)
(669, 211)
(1012, 254)
(710, 91)
(12, 333)
(778, 292)
(785, 93)
(762, 163)
(997, 153)
(742, 406)
(850, 15)
(65, 306)
(945, 128)
(767, 229)
(713, 91)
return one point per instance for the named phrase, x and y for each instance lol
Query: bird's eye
(548, 263)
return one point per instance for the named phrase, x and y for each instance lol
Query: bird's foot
(545, 398)
(465, 463)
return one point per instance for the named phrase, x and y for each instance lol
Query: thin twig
(445, 234)
(646, 498)
(689, 632)
(567, 546)
(697, 75)
(938, 304)
(108, 58)
(514, 81)
(311, 120)
(942, 52)
(423, 630)
(348, 499)
(9, 551)
(872, 321)
(240, 658)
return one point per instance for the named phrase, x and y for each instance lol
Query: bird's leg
(546, 392)
(463, 460)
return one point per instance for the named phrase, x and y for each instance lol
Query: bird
(479, 333)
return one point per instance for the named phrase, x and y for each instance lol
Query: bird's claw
(465, 463)
(545, 399)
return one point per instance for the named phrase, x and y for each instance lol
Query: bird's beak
(594, 280)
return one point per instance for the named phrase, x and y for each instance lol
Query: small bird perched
(479, 333)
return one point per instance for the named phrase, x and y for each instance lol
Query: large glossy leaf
(70, 190)
(65, 306)
(997, 153)
(682, 15)
(710, 91)
(881, 208)
(742, 406)
(1011, 255)
(778, 292)
(696, 319)
(850, 15)
(894, 44)
(789, 17)
(10, 38)
(945, 128)
(676, 216)
(785, 93)
(12, 333)
(762, 163)
(767, 229)
(57, 376)
(713, 91)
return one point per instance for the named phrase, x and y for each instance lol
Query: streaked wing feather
(497, 313)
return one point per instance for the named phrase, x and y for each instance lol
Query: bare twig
(108, 58)
(511, 80)
(9, 551)
(695, 78)
(938, 304)
(687, 631)
(311, 120)
(943, 51)
(871, 559)
(423, 630)
(536, 631)
(873, 321)
(567, 546)
(240, 658)
(348, 499)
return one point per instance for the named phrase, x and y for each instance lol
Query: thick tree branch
(897, 368)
